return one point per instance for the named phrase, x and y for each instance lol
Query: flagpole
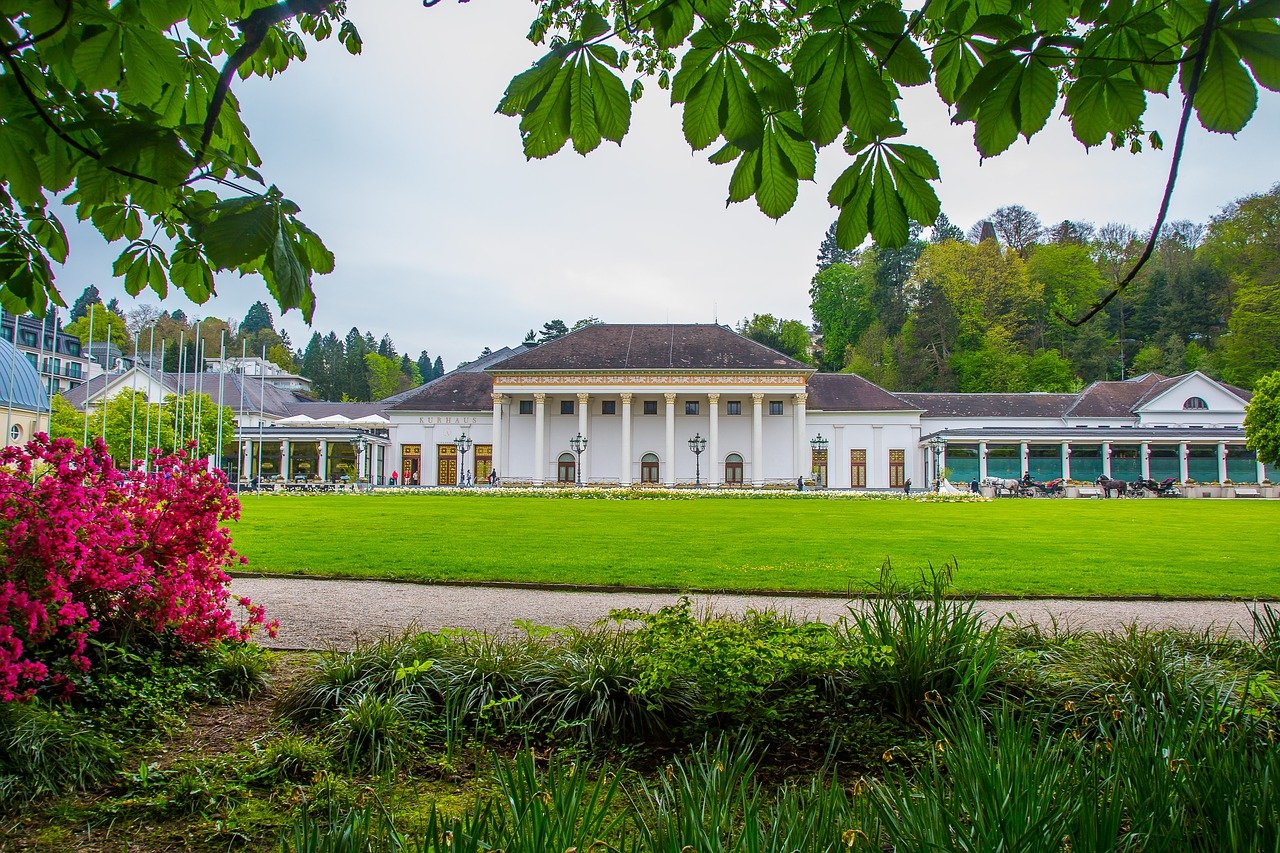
(88, 388)
(13, 363)
(133, 403)
(177, 403)
(262, 409)
(239, 416)
(151, 381)
(222, 373)
(196, 370)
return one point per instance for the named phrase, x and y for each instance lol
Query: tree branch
(39, 37)
(1193, 85)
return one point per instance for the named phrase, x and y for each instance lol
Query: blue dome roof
(19, 382)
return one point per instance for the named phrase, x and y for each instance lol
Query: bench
(1090, 492)
(1248, 493)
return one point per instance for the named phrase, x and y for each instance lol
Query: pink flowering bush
(87, 551)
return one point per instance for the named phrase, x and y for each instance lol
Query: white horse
(1003, 485)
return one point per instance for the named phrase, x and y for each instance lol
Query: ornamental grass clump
(88, 552)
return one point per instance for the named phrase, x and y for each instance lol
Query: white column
(801, 452)
(1144, 459)
(1106, 459)
(1182, 462)
(584, 408)
(878, 460)
(323, 461)
(539, 437)
(1066, 460)
(625, 477)
(716, 466)
(757, 439)
(838, 462)
(982, 461)
(286, 449)
(1025, 450)
(246, 464)
(498, 400)
(670, 462)
(362, 456)
(1262, 472)
(1222, 462)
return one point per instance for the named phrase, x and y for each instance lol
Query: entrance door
(484, 462)
(820, 467)
(858, 469)
(566, 469)
(410, 464)
(897, 468)
(733, 470)
(446, 465)
(649, 468)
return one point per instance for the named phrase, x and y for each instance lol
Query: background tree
(944, 229)
(106, 324)
(1017, 227)
(552, 330)
(126, 417)
(786, 336)
(437, 368)
(829, 251)
(1262, 419)
(584, 322)
(840, 300)
(257, 319)
(90, 296)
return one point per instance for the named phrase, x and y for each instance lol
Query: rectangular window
(858, 469)
(691, 407)
(897, 469)
(775, 407)
(733, 407)
(73, 347)
(27, 338)
(566, 407)
(651, 407)
(608, 407)
(526, 407)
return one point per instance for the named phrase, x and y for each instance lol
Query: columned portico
(625, 479)
(757, 439)
(539, 438)
(669, 464)
(713, 440)
(801, 441)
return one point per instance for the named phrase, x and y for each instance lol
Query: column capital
(670, 397)
(800, 398)
(713, 398)
(757, 399)
(499, 399)
(626, 397)
(539, 398)
(583, 396)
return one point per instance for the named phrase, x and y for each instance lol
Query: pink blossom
(89, 550)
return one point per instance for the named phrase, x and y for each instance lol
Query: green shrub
(241, 670)
(371, 732)
(294, 758)
(49, 750)
(938, 649)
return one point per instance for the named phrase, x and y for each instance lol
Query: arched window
(649, 468)
(733, 470)
(565, 472)
(15, 433)
(1195, 403)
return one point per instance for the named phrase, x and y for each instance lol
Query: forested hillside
(952, 311)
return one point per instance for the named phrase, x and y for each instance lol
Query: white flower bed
(651, 493)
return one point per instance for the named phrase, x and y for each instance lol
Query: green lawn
(1169, 548)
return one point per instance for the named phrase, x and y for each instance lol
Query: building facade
(56, 355)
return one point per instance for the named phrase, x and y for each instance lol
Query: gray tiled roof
(849, 392)
(459, 391)
(990, 405)
(607, 346)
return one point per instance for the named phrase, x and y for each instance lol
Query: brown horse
(1109, 485)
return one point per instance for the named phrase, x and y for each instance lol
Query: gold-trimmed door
(484, 462)
(410, 464)
(897, 469)
(446, 465)
(858, 469)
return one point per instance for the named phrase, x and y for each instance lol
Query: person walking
(906, 488)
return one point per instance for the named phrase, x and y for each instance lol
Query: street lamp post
(578, 444)
(463, 443)
(936, 444)
(697, 444)
(819, 445)
(360, 443)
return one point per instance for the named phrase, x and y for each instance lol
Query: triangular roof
(1169, 385)
(646, 347)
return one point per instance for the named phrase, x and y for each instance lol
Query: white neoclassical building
(639, 393)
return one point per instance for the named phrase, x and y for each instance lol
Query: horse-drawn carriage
(1025, 488)
(1167, 488)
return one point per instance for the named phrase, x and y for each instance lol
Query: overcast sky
(449, 240)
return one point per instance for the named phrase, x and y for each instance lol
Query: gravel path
(318, 614)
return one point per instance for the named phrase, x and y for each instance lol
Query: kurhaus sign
(449, 419)
(632, 379)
